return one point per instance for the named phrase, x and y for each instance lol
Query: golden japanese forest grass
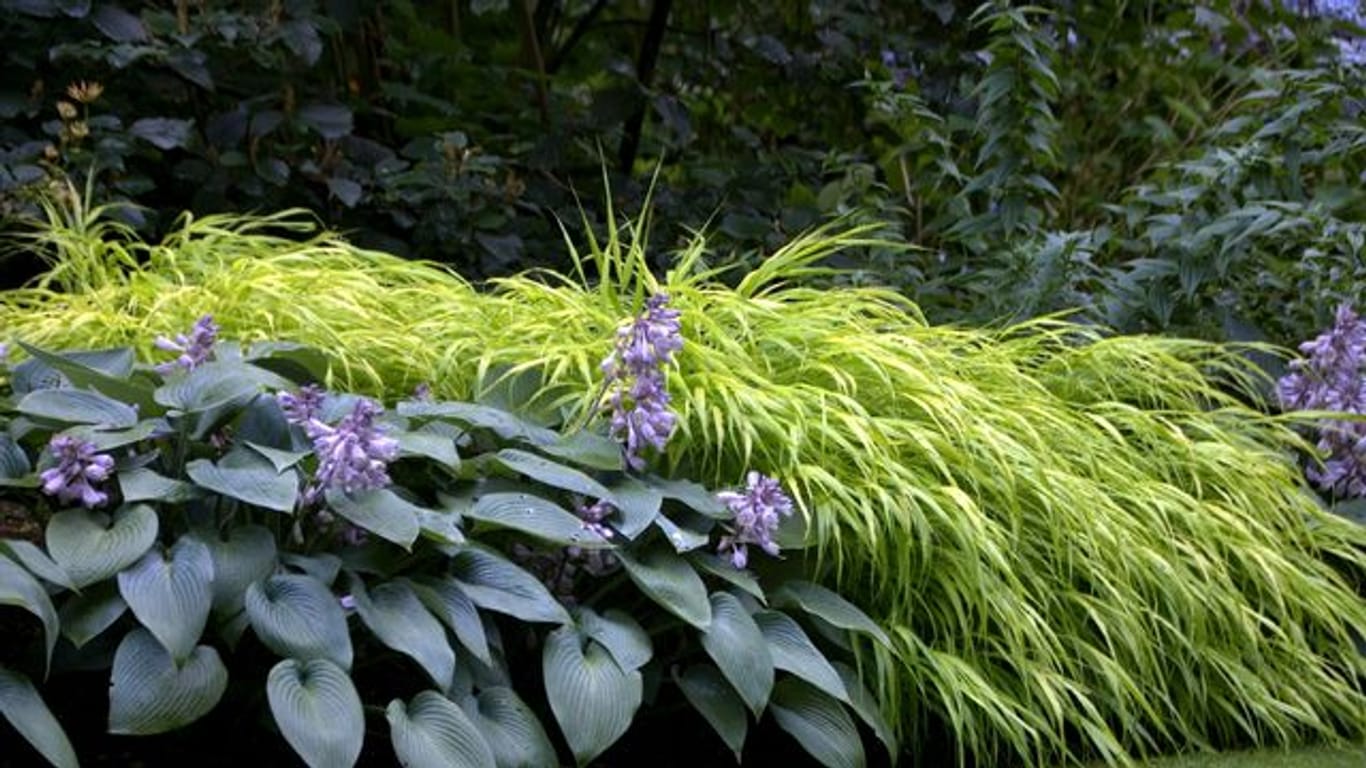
(1082, 546)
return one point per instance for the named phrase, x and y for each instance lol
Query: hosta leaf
(454, 608)
(737, 646)
(87, 614)
(439, 448)
(90, 547)
(319, 713)
(621, 635)
(142, 484)
(499, 422)
(380, 512)
(298, 616)
(552, 473)
(496, 584)
(682, 538)
(511, 729)
(587, 449)
(536, 516)
(637, 506)
(116, 384)
(721, 568)
(218, 385)
(794, 652)
(866, 707)
(432, 732)
(27, 554)
(246, 556)
(25, 710)
(248, 477)
(818, 722)
(713, 697)
(14, 462)
(671, 582)
(171, 595)
(692, 495)
(323, 566)
(150, 694)
(19, 588)
(593, 699)
(110, 439)
(279, 459)
(397, 617)
(821, 602)
(77, 406)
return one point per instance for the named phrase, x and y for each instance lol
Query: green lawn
(1307, 757)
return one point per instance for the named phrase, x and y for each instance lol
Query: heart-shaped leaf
(713, 697)
(218, 386)
(298, 616)
(381, 512)
(397, 617)
(621, 635)
(87, 614)
(249, 477)
(19, 588)
(432, 732)
(319, 713)
(323, 566)
(670, 582)
(112, 380)
(149, 694)
(77, 406)
(511, 729)
(553, 474)
(14, 463)
(494, 583)
(25, 710)
(794, 652)
(737, 646)
(531, 514)
(822, 603)
(90, 548)
(172, 595)
(637, 506)
(818, 723)
(439, 448)
(593, 699)
(27, 554)
(142, 484)
(456, 610)
(246, 556)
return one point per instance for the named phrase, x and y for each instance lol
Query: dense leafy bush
(190, 531)
(1079, 545)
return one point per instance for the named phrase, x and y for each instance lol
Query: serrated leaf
(397, 617)
(715, 699)
(621, 635)
(721, 568)
(19, 588)
(298, 616)
(553, 474)
(319, 713)
(496, 584)
(248, 477)
(381, 512)
(142, 484)
(794, 652)
(866, 707)
(456, 610)
(818, 723)
(593, 699)
(737, 646)
(511, 729)
(536, 516)
(87, 614)
(172, 595)
(149, 694)
(670, 582)
(28, 713)
(432, 732)
(637, 505)
(91, 548)
(27, 554)
(248, 555)
(77, 406)
(821, 602)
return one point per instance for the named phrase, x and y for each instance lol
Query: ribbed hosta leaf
(249, 477)
(866, 707)
(818, 723)
(91, 548)
(692, 495)
(713, 697)
(511, 729)
(821, 602)
(439, 448)
(637, 505)
(593, 699)
(380, 512)
(25, 710)
(27, 554)
(246, 556)
(86, 614)
(432, 732)
(707, 562)
(737, 646)
(683, 538)
(397, 617)
(621, 635)
(171, 594)
(454, 608)
(531, 514)
(496, 584)
(298, 616)
(20, 589)
(77, 406)
(142, 484)
(794, 652)
(670, 581)
(149, 693)
(553, 473)
(318, 711)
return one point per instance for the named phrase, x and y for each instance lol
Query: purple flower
(195, 349)
(635, 375)
(1330, 378)
(78, 468)
(352, 456)
(423, 392)
(757, 511)
(593, 516)
(303, 406)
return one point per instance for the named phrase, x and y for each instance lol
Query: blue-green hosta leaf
(455, 609)
(278, 458)
(171, 595)
(670, 582)
(691, 495)
(86, 614)
(142, 484)
(438, 448)
(683, 539)
(25, 710)
(501, 423)
(721, 568)
(381, 512)
(818, 722)
(77, 406)
(794, 652)
(866, 707)
(822, 603)
(248, 477)
(319, 713)
(713, 697)
(218, 385)
(552, 473)
(397, 617)
(27, 554)
(121, 387)
(298, 616)
(531, 514)
(496, 584)
(323, 566)
(511, 729)
(432, 732)
(637, 506)
(246, 556)
(587, 449)
(737, 646)
(593, 699)
(90, 547)
(621, 635)
(109, 439)
(149, 693)
(14, 462)
(19, 588)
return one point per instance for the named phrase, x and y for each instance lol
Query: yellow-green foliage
(1082, 546)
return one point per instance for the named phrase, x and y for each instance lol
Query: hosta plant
(533, 589)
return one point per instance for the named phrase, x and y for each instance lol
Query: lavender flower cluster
(636, 379)
(1352, 48)
(1331, 378)
(195, 348)
(79, 468)
(757, 510)
(352, 456)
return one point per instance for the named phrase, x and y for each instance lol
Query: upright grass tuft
(1083, 547)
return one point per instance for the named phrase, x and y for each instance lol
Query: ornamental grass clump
(1080, 546)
